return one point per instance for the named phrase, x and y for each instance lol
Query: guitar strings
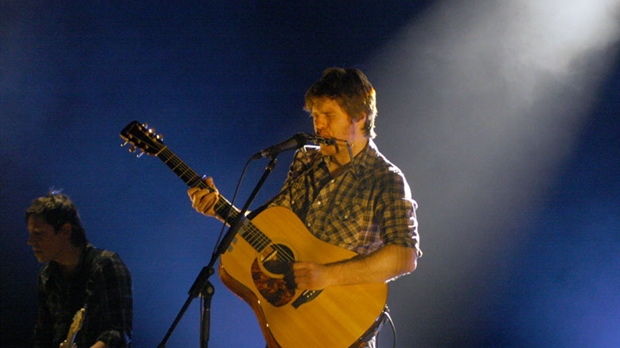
(250, 233)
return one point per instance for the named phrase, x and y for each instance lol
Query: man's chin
(328, 150)
(40, 257)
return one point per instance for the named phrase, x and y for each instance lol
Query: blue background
(533, 264)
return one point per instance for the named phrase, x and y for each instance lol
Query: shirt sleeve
(397, 213)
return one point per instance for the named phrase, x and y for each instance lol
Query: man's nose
(319, 124)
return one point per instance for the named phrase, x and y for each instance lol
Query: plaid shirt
(364, 208)
(103, 283)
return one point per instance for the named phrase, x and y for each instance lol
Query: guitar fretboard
(257, 239)
(223, 207)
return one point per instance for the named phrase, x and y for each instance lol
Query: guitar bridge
(305, 297)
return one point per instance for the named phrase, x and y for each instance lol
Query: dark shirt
(102, 282)
(366, 207)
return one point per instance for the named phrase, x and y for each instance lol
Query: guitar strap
(87, 269)
(86, 273)
(90, 257)
(310, 164)
(373, 331)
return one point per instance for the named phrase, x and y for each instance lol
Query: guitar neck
(257, 239)
(222, 207)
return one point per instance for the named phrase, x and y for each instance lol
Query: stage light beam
(492, 97)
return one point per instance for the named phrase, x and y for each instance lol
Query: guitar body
(335, 317)
(257, 268)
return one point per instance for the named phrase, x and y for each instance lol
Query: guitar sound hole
(272, 273)
(277, 259)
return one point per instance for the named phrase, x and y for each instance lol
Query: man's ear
(65, 230)
(361, 123)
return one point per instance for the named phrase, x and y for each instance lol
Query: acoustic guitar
(257, 268)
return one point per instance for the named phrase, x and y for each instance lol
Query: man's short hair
(57, 209)
(351, 89)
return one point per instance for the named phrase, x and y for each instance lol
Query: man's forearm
(385, 264)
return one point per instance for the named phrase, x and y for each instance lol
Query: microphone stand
(202, 286)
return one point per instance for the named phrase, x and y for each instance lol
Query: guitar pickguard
(272, 275)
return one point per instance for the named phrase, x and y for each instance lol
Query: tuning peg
(159, 137)
(132, 148)
(140, 154)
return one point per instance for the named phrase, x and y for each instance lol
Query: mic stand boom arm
(202, 286)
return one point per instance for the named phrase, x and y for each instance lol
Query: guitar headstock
(141, 137)
(76, 325)
(78, 320)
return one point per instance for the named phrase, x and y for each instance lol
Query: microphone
(321, 140)
(295, 142)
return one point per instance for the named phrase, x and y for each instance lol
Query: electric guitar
(76, 325)
(257, 267)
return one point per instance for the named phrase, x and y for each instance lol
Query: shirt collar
(361, 161)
